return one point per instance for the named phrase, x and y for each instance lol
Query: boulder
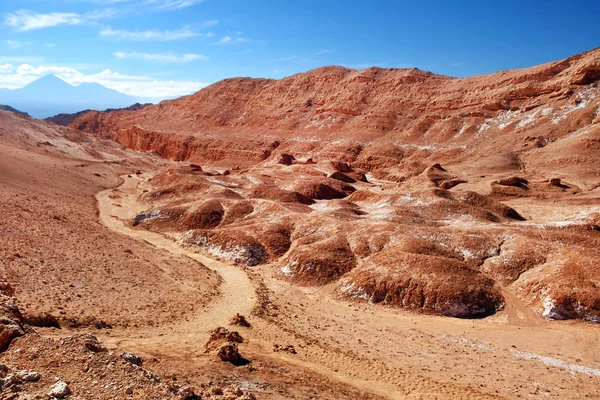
(28, 376)
(59, 390)
(228, 352)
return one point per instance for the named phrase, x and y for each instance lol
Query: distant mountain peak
(51, 95)
(50, 78)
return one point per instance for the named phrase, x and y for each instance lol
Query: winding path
(237, 294)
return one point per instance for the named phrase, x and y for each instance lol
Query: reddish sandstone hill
(446, 195)
(507, 110)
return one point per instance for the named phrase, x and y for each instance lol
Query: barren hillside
(336, 234)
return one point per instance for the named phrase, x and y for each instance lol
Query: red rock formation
(409, 232)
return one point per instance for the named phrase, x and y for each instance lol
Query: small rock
(229, 352)
(60, 390)
(93, 344)
(239, 320)
(288, 349)
(11, 380)
(131, 358)
(186, 392)
(28, 376)
(129, 391)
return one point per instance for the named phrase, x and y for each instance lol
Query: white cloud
(6, 68)
(155, 35)
(14, 44)
(208, 24)
(63, 72)
(134, 85)
(173, 4)
(24, 20)
(230, 40)
(20, 59)
(161, 57)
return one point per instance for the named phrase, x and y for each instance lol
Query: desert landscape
(339, 233)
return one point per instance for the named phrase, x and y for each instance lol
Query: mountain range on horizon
(50, 95)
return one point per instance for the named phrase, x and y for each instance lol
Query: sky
(169, 48)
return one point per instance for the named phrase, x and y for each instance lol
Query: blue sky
(164, 48)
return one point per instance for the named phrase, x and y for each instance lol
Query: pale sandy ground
(378, 350)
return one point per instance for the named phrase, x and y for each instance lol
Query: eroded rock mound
(204, 216)
(319, 262)
(430, 283)
(323, 189)
(275, 194)
(513, 181)
(233, 245)
(495, 207)
(340, 176)
(237, 211)
(565, 288)
(239, 320)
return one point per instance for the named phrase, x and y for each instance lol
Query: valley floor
(68, 249)
(357, 348)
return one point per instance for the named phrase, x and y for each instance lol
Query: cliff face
(335, 103)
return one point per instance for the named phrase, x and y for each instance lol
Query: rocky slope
(245, 119)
